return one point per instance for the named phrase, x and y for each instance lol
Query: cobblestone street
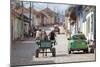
(23, 52)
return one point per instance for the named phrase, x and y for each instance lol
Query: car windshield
(75, 37)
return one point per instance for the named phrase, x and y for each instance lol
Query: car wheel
(92, 51)
(86, 50)
(69, 51)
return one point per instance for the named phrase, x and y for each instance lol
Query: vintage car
(78, 42)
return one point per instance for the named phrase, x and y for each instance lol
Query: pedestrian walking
(34, 32)
(52, 35)
(38, 34)
(44, 35)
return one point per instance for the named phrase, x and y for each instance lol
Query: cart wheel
(53, 52)
(37, 53)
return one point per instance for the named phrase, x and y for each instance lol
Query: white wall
(85, 29)
(26, 28)
(90, 34)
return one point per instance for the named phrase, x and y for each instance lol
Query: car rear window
(75, 37)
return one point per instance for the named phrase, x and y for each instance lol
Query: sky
(59, 8)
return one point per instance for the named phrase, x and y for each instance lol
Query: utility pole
(61, 17)
(11, 28)
(32, 12)
(22, 18)
(57, 16)
(30, 29)
(54, 16)
(70, 28)
(48, 18)
(47, 5)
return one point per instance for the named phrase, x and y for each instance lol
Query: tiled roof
(48, 11)
(33, 10)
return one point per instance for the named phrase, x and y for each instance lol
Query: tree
(72, 13)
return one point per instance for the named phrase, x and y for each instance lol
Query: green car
(78, 42)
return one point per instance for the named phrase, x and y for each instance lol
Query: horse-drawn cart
(44, 45)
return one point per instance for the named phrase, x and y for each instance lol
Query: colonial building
(43, 17)
(73, 19)
(48, 16)
(35, 21)
(89, 22)
(70, 23)
(19, 23)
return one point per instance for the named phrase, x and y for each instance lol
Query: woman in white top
(38, 34)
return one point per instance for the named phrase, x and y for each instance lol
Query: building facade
(49, 16)
(89, 22)
(71, 21)
(19, 22)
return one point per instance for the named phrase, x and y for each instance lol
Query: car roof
(77, 34)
